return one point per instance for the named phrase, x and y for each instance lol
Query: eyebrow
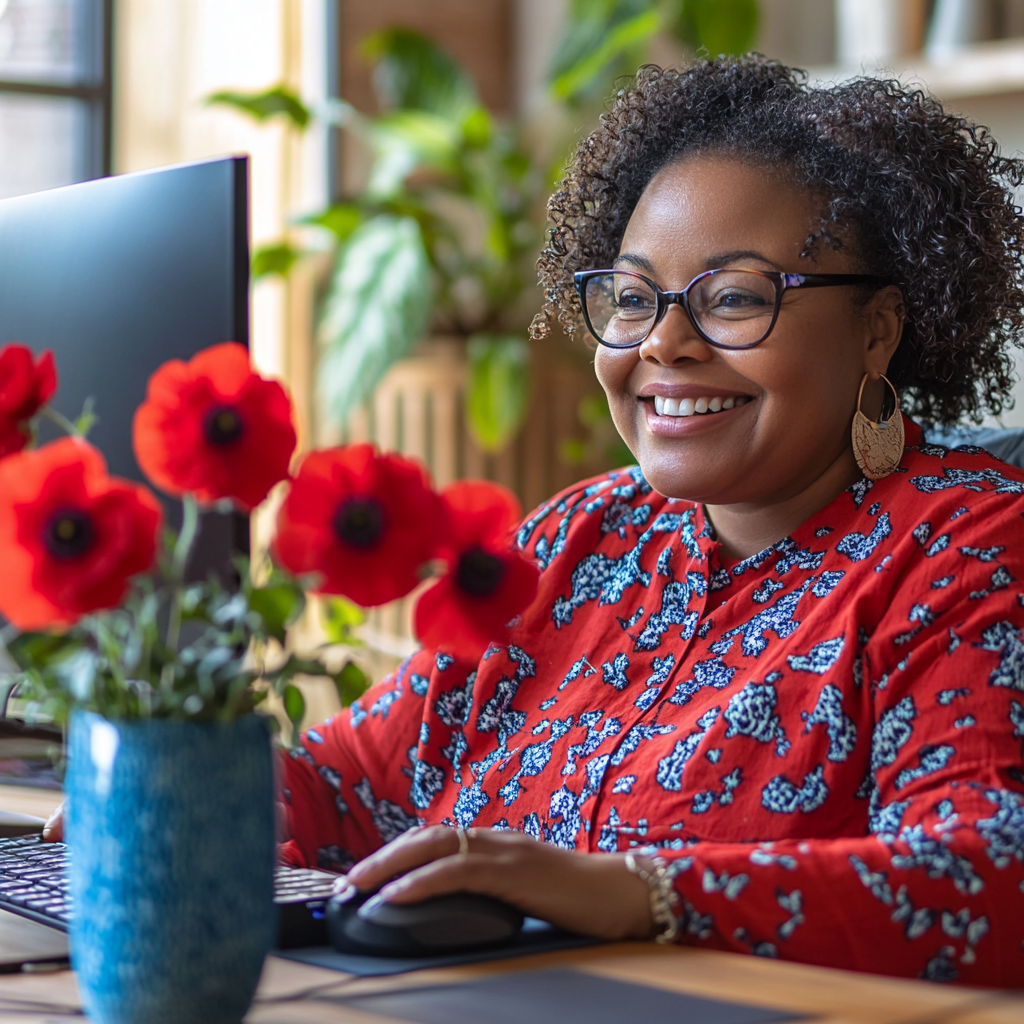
(711, 263)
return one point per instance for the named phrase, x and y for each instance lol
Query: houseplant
(439, 239)
(160, 676)
(450, 216)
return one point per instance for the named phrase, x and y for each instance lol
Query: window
(55, 59)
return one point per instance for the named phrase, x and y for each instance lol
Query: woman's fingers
(591, 894)
(53, 830)
(410, 850)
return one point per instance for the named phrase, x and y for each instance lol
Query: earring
(877, 447)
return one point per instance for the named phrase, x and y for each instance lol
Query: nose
(674, 339)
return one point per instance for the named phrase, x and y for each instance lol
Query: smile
(696, 406)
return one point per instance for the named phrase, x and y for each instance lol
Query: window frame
(97, 93)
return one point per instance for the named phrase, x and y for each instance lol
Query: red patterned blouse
(824, 741)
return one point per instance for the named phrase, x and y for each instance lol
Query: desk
(292, 993)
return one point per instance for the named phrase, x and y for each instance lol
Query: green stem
(61, 420)
(179, 560)
(183, 546)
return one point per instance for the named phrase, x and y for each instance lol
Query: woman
(763, 702)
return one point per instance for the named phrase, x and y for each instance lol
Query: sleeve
(346, 786)
(356, 782)
(936, 887)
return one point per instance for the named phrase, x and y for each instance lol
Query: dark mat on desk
(536, 937)
(554, 997)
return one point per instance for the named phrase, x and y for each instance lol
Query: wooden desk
(291, 993)
(296, 994)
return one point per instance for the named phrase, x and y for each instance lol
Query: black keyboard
(34, 883)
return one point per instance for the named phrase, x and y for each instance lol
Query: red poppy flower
(365, 522)
(214, 428)
(488, 582)
(71, 537)
(25, 387)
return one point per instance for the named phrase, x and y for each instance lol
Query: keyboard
(34, 884)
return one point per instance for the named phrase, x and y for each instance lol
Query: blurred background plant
(441, 237)
(606, 39)
(439, 240)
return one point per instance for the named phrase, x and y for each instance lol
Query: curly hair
(922, 197)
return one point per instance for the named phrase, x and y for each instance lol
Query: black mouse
(443, 924)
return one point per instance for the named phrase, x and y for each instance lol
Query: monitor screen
(118, 275)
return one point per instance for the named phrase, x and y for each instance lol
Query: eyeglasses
(730, 309)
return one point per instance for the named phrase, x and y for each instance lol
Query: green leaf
(294, 704)
(477, 128)
(278, 606)
(499, 388)
(406, 141)
(341, 220)
(88, 419)
(412, 73)
(572, 451)
(377, 308)
(39, 650)
(351, 682)
(279, 101)
(601, 34)
(339, 616)
(276, 258)
(728, 27)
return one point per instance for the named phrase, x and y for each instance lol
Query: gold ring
(464, 835)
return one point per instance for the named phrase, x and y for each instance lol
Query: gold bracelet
(662, 896)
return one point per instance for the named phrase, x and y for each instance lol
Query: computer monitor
(118, 275)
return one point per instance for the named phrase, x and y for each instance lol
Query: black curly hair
(922, 197)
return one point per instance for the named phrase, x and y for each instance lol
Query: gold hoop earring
(877, 447)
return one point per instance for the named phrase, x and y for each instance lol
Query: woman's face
(794, 395)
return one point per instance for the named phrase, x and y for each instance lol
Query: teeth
(690, 406)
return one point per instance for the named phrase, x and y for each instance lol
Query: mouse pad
(555, 997)
(536, 937)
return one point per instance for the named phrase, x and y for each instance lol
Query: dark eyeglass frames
(731, 309)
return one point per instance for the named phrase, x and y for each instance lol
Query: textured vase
(171, 833)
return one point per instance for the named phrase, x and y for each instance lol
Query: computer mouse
(442, 924)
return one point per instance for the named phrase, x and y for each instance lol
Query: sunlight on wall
(170, 55)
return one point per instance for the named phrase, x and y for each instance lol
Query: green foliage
(411, 73)
(378, 307)
(87, 419)
(341, 219)
(294, 707)
(441, 236)
(279, 101)
(603, 39)
(406, 141)
(278, 606)
(351, 683)
(277, 258)
(727, 27)
(499, 388)
(194, 651)
(339, 617)
(603, 443)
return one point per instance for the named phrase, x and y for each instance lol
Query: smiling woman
(768, 698)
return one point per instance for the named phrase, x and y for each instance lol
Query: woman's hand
(587, 893)
(53, 830)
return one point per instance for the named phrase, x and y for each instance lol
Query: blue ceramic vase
(170, 827)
